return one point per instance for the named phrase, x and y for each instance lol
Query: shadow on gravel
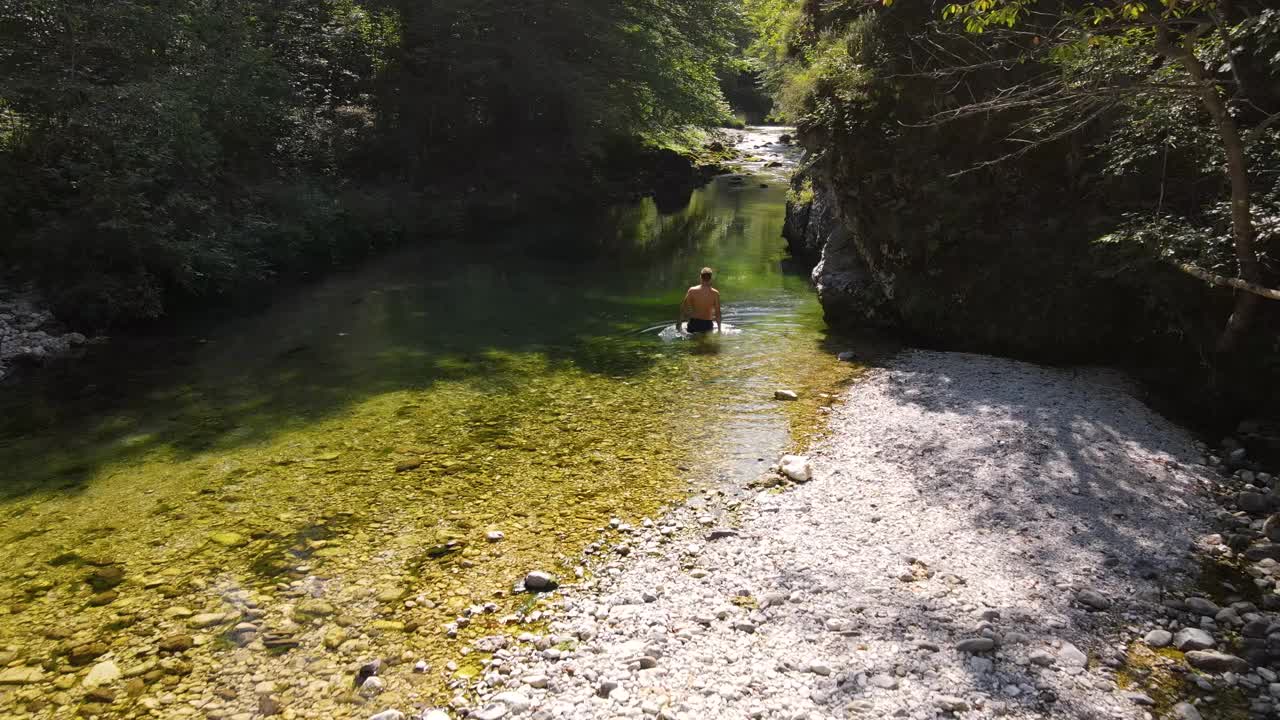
(1069, 481)
(1075, 467)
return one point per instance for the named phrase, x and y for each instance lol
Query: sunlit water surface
(356, 441)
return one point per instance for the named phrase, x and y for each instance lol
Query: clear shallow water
(357, 440)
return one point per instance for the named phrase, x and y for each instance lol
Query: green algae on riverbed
(356, 444)
(1163, 675)
(327, 500)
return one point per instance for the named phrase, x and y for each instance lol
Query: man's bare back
(701, 305)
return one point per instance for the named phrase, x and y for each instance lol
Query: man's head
(706, 274)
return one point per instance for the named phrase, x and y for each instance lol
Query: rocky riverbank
(29, 333)
(980, 538)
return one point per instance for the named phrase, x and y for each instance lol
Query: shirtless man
(701, 306)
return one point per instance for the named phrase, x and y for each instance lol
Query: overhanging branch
(1223, 281)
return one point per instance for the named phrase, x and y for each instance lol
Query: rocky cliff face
(1005, 265)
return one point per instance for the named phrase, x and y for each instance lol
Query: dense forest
(1081, 180)
(153, 151)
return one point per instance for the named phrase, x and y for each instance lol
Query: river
(284, 496)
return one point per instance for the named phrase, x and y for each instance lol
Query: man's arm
(717, 311)
(684, 310)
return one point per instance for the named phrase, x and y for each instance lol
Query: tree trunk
(1242, 230)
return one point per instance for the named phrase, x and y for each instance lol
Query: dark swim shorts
(700, 326)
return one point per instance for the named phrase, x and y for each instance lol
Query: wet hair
(706, 273)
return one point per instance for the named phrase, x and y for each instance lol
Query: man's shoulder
(715, 291)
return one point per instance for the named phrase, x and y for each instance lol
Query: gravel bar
(980, 538)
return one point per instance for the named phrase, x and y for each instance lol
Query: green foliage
(160, 149)
(812, 63)
(803, 195)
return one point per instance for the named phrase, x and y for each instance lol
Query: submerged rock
(785, 395)
(104, 673)
(372, 686)
(205, 620)
(105, 578)
(176, 643)
(313, 608)
(229, 539)
(87, 653)
(21, 676)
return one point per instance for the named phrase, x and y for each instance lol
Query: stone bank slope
(981, 538)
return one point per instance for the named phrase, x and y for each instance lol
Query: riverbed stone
(1158, 638)
(975, 645)
(21, 675)
(1185, 711)
(797, 467)
(391, 595)
(1193, 639)
(229, 539)
(1202, 606)
(883, 681)
(1216, 662)
(1093, 600)
(1041, 657)
(492, 711)
(103, 579)
(1262, 551)
(205, 620)
(335, 636)
(1271, 528)
(104, 673)
(1253, 503)
(1071, 656)
(86, 653)
(540, 581)
(313, 608)
(372, 686)
(517, 702)
(176, 643)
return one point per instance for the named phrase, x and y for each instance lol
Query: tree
(1103, 53)
(160, 149)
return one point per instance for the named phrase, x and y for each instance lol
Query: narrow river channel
(235, 527)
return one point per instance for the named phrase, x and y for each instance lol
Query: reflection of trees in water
(641, 236)
(490, 314)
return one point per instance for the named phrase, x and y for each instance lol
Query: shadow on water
(530, 300)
